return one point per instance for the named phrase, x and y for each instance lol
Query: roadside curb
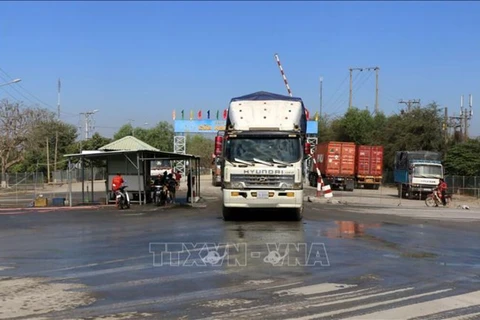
(50, 209)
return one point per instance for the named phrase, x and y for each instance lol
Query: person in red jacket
(117, 183)
(442, 190)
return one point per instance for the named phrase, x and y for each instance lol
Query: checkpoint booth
(130, 157)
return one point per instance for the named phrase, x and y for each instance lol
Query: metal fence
(461, 185)
(464, 185)
(21, 188)
(25, 181)
(76, 175)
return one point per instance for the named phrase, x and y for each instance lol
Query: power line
(376, 69)
(337, 90)
(344, 99)
(38, 100)
(341, 99)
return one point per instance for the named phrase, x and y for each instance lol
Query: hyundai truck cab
(263, 154)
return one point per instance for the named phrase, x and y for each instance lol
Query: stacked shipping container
(369, 166)
(344, 165)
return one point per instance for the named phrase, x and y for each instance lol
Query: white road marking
(314, 289)
(349, 293)
(363, 297)
(371, 305)
(426, 308)
(465, 316)
(95, 264)
(302, 305)
(280, 286)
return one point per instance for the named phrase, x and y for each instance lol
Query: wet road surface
(334, 264)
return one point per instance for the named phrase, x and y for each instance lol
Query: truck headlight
(289, 185)
(286, 185)
(234, 185)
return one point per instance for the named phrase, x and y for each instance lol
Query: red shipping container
(369, 161)
(336, 158)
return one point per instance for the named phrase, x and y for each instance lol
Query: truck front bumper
(233, 198)
(423, 188)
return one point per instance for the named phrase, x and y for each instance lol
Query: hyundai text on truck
(369, 166)
(417, 173)
(263, 152)
(336, 161)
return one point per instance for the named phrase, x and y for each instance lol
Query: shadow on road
(263, 215)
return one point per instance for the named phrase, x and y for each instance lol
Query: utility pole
(462, 120)
(466, 115)
(445, 125)
(48, 163)
(409, 103)
(56, 131)
(321, 96)
(87, 116)
(58, 99)
(56, 152)
(376, 89)
(351, 85)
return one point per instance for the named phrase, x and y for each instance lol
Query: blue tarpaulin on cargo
(264, 95)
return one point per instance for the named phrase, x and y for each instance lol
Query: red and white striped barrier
(322, 189)
(327, 191)
(283, 75)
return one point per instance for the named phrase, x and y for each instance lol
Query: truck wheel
(297, 214)
(227, 213)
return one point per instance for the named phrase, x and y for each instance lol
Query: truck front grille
(263, 181)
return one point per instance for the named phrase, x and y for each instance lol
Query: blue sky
(141, 60)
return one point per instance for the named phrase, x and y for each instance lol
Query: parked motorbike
(165, 195)
(123, 199)
(433, 200)
(158, 194)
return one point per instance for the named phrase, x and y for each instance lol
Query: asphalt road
(342, 263)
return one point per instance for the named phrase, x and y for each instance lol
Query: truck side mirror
(218, 145)
(307, 149)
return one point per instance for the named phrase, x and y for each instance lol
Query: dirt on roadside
(28, 297)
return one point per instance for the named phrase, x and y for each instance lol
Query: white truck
(264, 148)
(417, 173)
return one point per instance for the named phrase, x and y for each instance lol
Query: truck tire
(227, 213)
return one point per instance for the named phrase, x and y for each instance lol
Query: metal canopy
(152, 155)
(141, 156)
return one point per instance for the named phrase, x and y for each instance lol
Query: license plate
(262, 194)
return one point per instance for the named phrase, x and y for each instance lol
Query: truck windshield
(266, 149)
(428, 171)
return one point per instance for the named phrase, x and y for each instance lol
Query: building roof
(128, 143)
(144, 155)
(131, 145)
